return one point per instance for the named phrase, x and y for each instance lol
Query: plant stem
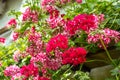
(95, 60)
(68, 69)
(117, 77)
(113, 20)
(81, 67)
(107, 52)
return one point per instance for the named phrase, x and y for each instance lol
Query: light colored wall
(11, 5)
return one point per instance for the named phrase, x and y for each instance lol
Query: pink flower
(30, 15)
(74, 56)
(55, 22)
(12, 22)
(47, 2)
(0, 63)
(54, 63)
(39, 57)
(101, 17)
(17, 76)
(59, 41)
(40, 78)
(17, 55)
(36, 44)
(11, 70)
(2, 40)
(34, 36)
(47, 61)
(107, 35)
(79, 1)
(15, 36)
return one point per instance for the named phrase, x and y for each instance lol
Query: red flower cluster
(29, 70)
(82, 21)
(12, 22)
(74, 56)
(2, 40)
(59, 41)
(30, 15)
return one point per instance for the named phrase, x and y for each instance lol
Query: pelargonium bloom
(74, 56)
(55, 22)
(12, 22)
(71, 27)
(59, 41)
(30, 15)
(11, 70)
(36, 45)
(39, 57)
(106, 35)
(15, 36)
(85, 22)
(17, 55)
(17, 76)
(54, 63)
(34, 36)
(47, 2)
(101, 18)
(29, 70)
(2, 40)
(55, 18)
(47, 61)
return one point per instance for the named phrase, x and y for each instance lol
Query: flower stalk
(107, 52)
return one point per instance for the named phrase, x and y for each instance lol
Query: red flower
(2, 40)
(71, 27)
(12, 22)
(59, 41)
(30, 15)
(29, 70)
(74, 56)
(84, 22)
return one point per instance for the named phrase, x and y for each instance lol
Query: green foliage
(65, 73)
(111, 10)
